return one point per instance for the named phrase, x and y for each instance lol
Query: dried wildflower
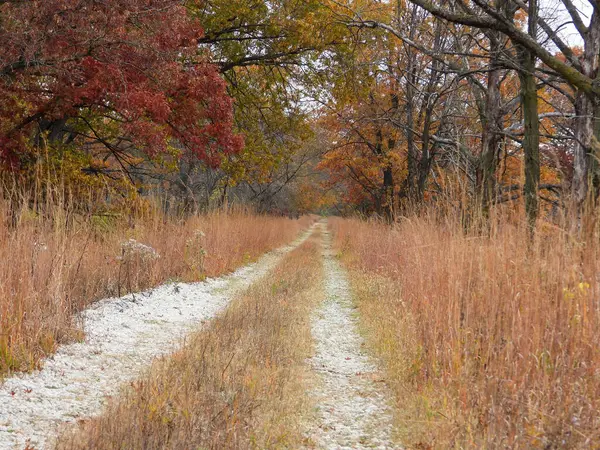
(40, 246)
(195, 253)
(131, 248)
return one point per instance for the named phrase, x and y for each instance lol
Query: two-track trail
(123, 336)
(352, 411)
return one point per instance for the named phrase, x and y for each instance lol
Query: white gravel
(122, 337)
(352, 412)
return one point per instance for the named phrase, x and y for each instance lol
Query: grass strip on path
(236, 384)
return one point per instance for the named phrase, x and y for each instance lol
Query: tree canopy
(352, 105)
(125, 74)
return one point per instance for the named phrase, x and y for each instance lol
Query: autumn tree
(127, 75)
(433, 75)
(579, 71)
(263, 50)
(470, 98)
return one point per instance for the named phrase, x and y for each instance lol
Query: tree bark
(387, 197)
(490, 137)
(529, 106)
(426, 156)
(585, 112)
(410, 184)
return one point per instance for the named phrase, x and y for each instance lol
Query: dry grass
(236, 384)
(54, 263)
(488, 342)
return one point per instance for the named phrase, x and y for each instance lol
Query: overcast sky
(555, 12)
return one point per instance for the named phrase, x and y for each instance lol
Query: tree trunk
(388, 192)
(411, 148)
(429, 104)
(410, 183)
(387, 197)
(529, 106)
(585, 111)
(531, 140)
(426, 157)
(490, 137)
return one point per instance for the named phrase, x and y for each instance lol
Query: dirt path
(122, 337)
(351, 408)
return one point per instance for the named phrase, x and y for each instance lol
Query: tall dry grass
(489, 342)
(54, 262)
(238, 383)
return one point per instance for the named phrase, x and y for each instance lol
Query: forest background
(297, 106)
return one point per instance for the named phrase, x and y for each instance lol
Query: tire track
(352, 412)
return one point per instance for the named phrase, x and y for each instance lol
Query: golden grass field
(488, 341)
(53, 265)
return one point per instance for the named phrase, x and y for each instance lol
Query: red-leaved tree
(126, 74)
